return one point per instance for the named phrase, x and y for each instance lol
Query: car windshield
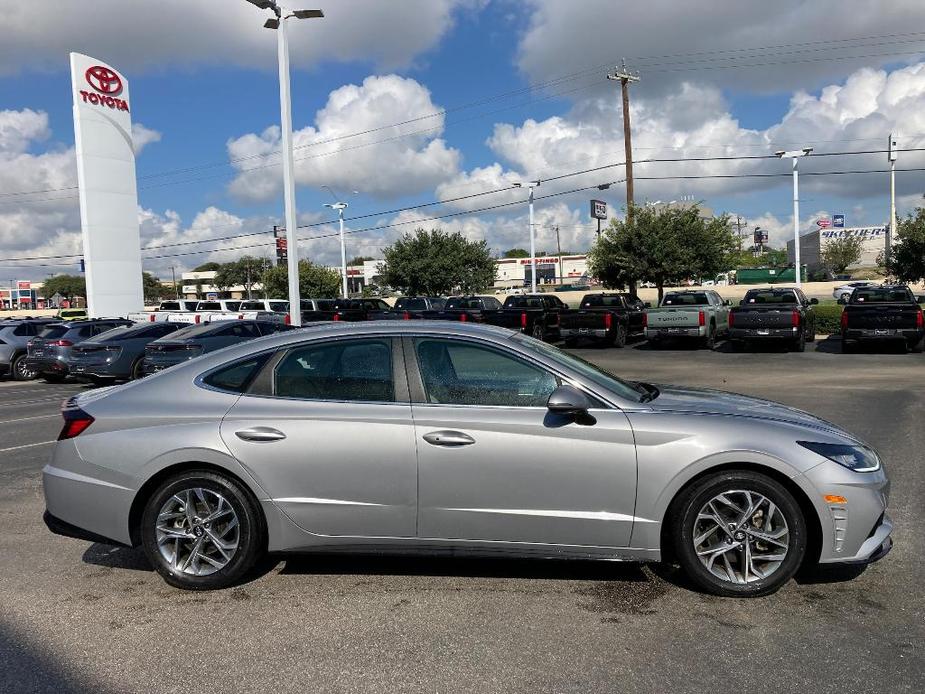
(685, 299)
(770, 298)
(53, 331)
(882, 295)
(625, 389)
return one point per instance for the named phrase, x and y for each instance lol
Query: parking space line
(28, 419)
(25, 445)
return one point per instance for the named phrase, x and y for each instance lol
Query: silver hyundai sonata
(435, 437)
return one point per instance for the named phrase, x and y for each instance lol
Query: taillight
(151, 318)
(794, 319)
(701, 318)
(406, 316)
(608, 320)
(287, 320)
(76, 422)
(731, 319)
(844, 319)
(336, 317)
(61, 343)
(462, 317)
(645, 320)
(198, 319)
(919, 320)
(523, 321)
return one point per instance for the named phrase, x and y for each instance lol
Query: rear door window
(357, 370)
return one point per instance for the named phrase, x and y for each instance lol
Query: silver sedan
(433, 437)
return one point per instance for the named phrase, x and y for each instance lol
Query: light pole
(531, 185)
(285, 106)
(891, 231)
(340, 207)
(795, 155)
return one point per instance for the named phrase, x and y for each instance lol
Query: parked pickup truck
(883, 313)
(464, 308)
(410, 308)
(605, 318)
(774, 314)
(699, 315)
(536, 315)
(345, 310)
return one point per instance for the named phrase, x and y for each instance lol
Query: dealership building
(812, 245)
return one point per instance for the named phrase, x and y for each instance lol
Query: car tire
(709, 341)
(917, 347)
(538, 332)
(202, 557)
(619, 336)
(772, 557)
(19, 371)
(137, 373)
(799, 345)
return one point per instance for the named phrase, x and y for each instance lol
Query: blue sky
(836, 77)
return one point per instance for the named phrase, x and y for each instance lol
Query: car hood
(707, 401)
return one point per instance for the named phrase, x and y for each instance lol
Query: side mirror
(648, 304)
(568, 400)
(814, 301)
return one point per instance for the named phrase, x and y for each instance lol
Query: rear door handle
(260, 434)
(448, 438)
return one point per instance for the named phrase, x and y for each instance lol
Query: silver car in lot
(433, 437)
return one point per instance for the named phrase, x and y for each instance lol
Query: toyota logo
(104, 80)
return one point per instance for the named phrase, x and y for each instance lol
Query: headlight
(857, 458)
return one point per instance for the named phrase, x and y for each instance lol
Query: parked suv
(14, 340)
(49, 351)
(116, 354)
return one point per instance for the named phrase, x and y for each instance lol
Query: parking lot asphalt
(76, 616)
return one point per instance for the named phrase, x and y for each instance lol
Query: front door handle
(448, 438)
(260, 434)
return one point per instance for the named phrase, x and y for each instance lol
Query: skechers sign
(108, 84)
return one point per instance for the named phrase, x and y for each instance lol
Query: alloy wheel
(197, 531)
(22, 371)
(741, 536)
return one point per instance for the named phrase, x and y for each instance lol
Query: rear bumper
(598, 333)
(764, 333)
(909, 335)
(65, 529)
(44, 366)
(667, 332)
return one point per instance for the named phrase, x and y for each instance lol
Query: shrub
(828, 319)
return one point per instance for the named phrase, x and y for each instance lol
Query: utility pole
(559, 249)
(739, 223)
(247, 267)
(176, 289)
(891, 230)
(626, 77)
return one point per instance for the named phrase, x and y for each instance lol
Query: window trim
(264, 384)
(419, 395)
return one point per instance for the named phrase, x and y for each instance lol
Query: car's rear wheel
(618, 339)
(799, 345)
(20, 371)
(710, 340)
(137, 369)
(538, 331)
(202, 530)
(739, 533)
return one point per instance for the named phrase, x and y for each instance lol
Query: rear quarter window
(236, 377)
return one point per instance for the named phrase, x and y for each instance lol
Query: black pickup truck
(347, 310)
(606, 318)
(880, 314)
(409, 308)
(774, 314)
(536, 315)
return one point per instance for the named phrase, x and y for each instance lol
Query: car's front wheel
(202, 530)
(739, 533)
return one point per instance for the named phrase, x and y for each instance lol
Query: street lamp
(285, 106)
(531, 185)
(795, 156)
(340, 206)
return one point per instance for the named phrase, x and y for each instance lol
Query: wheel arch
(810, 514)
(152, 483)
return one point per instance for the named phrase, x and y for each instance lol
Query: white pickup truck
(697, 314)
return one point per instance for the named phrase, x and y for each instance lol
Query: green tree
(840, 253)
(246, 271)
(315, 281)
(662, 244)
(67, 286)
(516, 253)
(435, 262)
(152, 289)
(359, 259)
(907, 254)
(207, 267)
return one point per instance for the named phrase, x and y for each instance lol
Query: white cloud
(408, 159)
(143, 136)
(142, 35)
